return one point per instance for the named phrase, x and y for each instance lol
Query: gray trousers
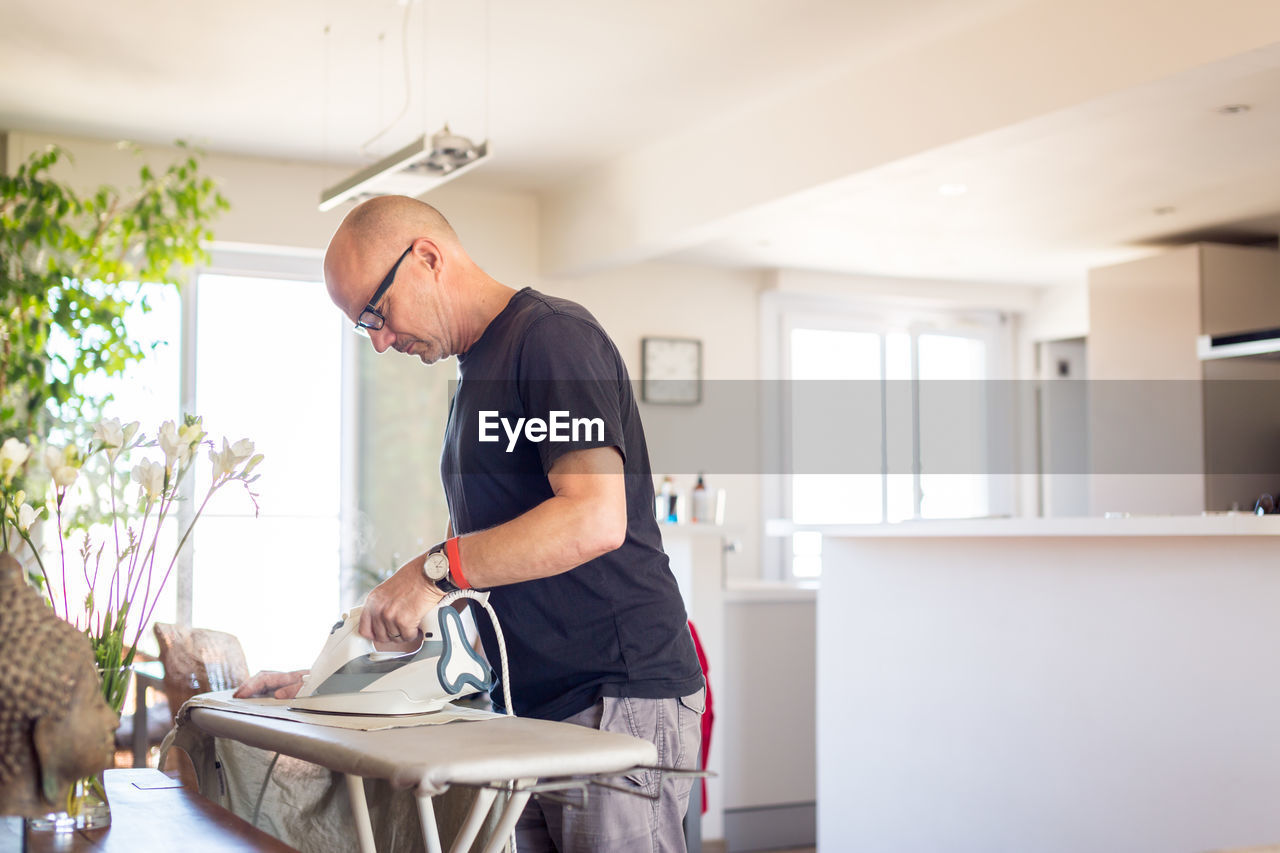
(614, 820)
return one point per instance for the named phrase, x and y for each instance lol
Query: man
(557, 525)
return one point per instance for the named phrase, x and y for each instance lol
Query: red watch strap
(455, 563)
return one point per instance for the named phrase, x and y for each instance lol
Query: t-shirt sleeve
(571, 376)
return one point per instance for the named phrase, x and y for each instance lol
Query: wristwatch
(436, 569)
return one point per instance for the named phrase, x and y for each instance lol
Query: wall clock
(671, 370)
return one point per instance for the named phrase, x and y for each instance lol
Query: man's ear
(429, 252)
(45, 741)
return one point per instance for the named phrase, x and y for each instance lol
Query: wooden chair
(198, 660)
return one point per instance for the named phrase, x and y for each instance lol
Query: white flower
(242, 449)
(113, 436)
(251, 464)
(63, 464)
(150, 476)
(231, 455)
(109, 432)
(221, 461)
(191, 434)
(13, 455)
(172, 445)
(27, 516)
(179, 442)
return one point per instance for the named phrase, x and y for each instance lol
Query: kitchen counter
(1209, 524)
(1054, 685)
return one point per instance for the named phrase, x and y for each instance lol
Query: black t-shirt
(614, 626)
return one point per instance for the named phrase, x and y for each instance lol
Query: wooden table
(150, 811)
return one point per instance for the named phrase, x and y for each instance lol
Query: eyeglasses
(371, 317)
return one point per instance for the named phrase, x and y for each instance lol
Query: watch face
(437, 565)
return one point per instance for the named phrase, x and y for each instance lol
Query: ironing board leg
(427, 817)
(475, 819)
(360, 810)
(510, 815)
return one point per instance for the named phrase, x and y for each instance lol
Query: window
(901, 388)
(148, 392)
(254, 345)
(268, 366)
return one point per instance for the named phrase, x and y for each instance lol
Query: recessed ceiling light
(1164, 210)
(1234, 109)
(952, 189)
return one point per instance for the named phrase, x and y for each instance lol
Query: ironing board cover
(429, 758)
(280, 710)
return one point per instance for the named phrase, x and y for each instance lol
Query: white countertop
(1216, 524)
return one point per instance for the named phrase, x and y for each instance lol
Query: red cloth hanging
(708, 716)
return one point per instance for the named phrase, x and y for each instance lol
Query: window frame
(783, 312)
(232, 259)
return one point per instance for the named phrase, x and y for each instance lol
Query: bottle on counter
(665, 501)
(700, 502)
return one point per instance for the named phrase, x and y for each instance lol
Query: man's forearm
(585, 518)
(557, 535)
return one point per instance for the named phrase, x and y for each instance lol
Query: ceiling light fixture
(952, 189)
(420, 166)
(425, 163)
(1234, 109)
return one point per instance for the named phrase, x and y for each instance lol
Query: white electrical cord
(483, 599)
(404, 63)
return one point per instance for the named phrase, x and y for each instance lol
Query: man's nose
(381, 339)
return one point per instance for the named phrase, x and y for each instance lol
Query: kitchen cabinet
(1159, 446)
(1239, 289)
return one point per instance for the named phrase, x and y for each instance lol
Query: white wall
(1058, 313)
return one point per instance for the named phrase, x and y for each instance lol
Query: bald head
(396, 219)
(370, 239)
(437, 301)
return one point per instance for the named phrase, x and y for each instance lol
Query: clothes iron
(352, 677)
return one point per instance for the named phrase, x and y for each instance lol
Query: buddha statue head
(55, 727)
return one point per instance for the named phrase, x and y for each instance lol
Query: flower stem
(62, 548)
(48, 587)
(176, 551)
(112, 589)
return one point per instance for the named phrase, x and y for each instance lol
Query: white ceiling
(1043, 199)
(563, 88)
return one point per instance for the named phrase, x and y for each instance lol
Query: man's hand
(281, 685)
(395, 607)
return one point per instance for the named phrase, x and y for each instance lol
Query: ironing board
(430, 758)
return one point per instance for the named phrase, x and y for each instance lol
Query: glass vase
(86, 808)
